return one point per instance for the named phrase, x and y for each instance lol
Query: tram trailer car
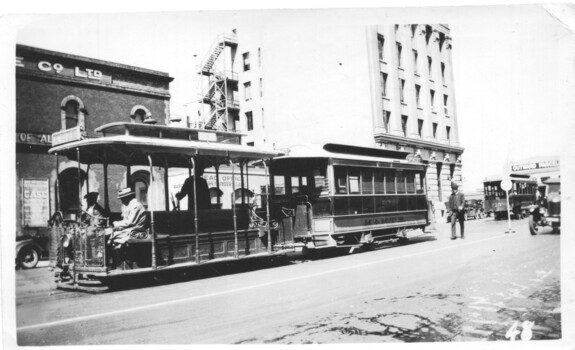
(340, 196)
(522, 195)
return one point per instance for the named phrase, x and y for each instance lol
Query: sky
(512, 64)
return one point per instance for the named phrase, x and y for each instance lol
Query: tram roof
(340, 151)
(130, 149)
(499, 177)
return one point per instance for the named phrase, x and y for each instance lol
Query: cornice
(419, 143)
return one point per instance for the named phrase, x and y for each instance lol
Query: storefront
(72, 95)
(538, 168)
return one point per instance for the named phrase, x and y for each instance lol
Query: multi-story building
(72, 95)
(385, 86)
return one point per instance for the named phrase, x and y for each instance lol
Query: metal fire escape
(220, 77)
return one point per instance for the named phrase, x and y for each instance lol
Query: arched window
(139, 113)
(72, 110)
(68, 189)
(72, 113)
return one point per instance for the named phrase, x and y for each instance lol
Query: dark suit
(203, 199)
(456, 205)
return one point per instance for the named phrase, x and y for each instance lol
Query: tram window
(340, 206)
(297, 182)
(322, 207)
(353, 181)
(401, 203)
(389, 181)
(367, 181)
(368, 205)
(355, 205)
(418, 183)
(385, 204)
(400, 180)
(279, 185)
(379, 183)
(340, 180)
(410, 181)
(411, 203)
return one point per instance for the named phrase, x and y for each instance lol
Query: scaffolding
(222, 82)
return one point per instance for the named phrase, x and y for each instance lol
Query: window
(434, 130)
(417, 95)
(398, 54)
(404, 124)
(415, 61)
(447, 131)
(396, 28)
(261, 87)
(248, 90)
(402, 88)
(340, 175)
(246, 57)
(367, 181)
(250, 121)
(445, 97)
(383, 78)
(379, 182)
(429, 67)
(432, 93)
(139, 116)
(259, 56)
(279, 185)
(380, 43)
(353, 181)
(410, 182)
(400, 182)
(419, 126)
(250, 144)
(413, 30)
(72, 111)
(428, 32)
(389, 181)
(443, 72)
(386, 115)
(441, 41)
(263, 125)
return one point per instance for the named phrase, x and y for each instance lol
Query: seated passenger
(96, 214)
(203, 198)
(133, 223)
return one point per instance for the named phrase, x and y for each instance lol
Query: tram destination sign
(65, 136)
(536, 165)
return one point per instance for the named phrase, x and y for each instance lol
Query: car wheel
(28, 257)
(532, 225)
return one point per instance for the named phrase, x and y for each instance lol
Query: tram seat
(209, 220)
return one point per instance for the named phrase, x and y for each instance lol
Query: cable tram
(340, 196)
(521, 196)
(174, 239)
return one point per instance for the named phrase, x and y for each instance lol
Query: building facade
(387, 86)
(72, 95)
(538, 168)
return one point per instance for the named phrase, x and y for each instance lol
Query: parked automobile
(547, 210)
(473, 210)
(29, 251)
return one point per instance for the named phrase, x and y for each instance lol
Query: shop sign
(35, 202)
(31, 138)
(59, 69)
(536, 165)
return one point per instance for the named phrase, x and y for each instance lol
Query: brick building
(73, 95)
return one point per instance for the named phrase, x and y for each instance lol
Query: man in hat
(203, 198)
(456, 206)
(133, 223)
(97, 214)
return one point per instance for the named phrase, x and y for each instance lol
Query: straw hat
(125, 192)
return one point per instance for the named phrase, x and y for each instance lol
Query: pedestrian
(456, 205)
(95, 213)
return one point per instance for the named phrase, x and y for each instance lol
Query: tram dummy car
(521, 196)
(334, 195)
(547, 210)
(320, 197)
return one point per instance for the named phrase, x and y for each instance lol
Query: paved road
(435, 289)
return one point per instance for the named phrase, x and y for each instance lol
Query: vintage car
(29, 250)
(547, 210)
(473, 210)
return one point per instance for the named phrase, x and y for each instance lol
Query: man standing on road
(456, 207)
